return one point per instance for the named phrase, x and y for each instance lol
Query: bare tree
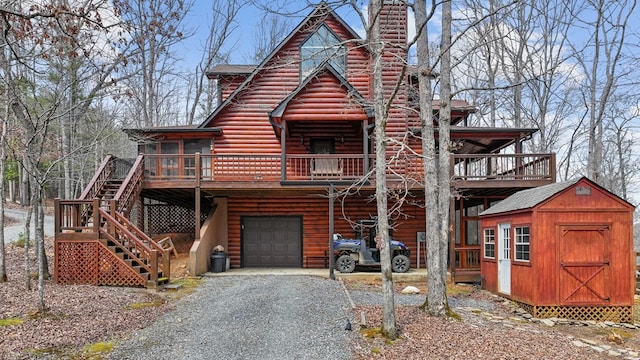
(376, 47)
(436, 301)
(222, 27)
(154, 26)
(601, 61)
(269, 34)
(34, 36)
(3, 160)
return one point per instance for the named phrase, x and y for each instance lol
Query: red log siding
(324, 98)
(229, 83)
(350, 132)
(539, 283)
(314, 212)
(245, 121)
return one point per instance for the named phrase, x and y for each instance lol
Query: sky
(242, 40)
(243, 37)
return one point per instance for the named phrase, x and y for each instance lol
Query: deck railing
(315, 167)
(130, 188)
(503, 167)
(113, 226)
(467, 258)
(103, 173)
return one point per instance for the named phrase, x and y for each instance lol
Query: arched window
(323, 46)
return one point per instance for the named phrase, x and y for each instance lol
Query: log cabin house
(562, 250)
(255, 176)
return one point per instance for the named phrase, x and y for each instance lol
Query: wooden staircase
(96, 242)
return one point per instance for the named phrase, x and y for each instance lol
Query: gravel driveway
(250, 317)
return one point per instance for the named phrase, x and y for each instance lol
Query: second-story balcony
(467, 171)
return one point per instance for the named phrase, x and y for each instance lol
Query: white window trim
(518, 241)
(486, 241)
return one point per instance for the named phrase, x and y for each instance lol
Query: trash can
(218, 262)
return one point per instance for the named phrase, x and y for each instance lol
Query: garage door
(272, 241)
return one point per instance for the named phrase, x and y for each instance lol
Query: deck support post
(452, 239)
(197, 211)
(332, 276)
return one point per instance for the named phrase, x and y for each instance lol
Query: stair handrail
(120, 229)
(130, 187)
(139, 234)
(156, 248)
(99, 178)
(114, 229)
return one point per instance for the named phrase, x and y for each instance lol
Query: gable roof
(529, 198)
(279, 110)
(322, 9)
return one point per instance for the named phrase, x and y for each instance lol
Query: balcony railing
(347, 167)
(503, 167)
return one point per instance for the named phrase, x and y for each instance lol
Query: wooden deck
(468, 171)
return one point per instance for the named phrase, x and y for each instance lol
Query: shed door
(584, 264)
(272, 241)
(504, 259)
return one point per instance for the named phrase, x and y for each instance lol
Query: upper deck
(302, 170)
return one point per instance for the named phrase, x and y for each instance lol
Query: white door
(504, 258)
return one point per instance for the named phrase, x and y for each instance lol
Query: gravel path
(250, 317)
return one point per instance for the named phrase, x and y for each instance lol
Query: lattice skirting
(581, 313)
(90, 262)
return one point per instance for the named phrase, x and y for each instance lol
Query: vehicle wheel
(400, 264)
(345, 264)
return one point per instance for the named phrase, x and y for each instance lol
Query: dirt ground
(179, 262)
(498, 334)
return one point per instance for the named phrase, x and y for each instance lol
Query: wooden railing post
(96, 215)
(154, 266)
(113, 208)
(57, 223)
(166, 263)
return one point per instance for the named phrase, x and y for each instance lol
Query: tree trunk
(389, 329)
(436, 288)
(27, 264)
(3, 159)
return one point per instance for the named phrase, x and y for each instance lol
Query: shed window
(522, 243)
(490, 243)
(322, 47)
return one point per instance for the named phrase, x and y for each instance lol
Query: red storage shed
(562, 250)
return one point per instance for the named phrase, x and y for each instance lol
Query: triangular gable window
(321, 47)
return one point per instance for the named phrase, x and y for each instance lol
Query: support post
(452, 238)
(153, 277)
(197, 213)
(166, 264)
(332, 275)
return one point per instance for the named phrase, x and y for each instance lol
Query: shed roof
(529, 198)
